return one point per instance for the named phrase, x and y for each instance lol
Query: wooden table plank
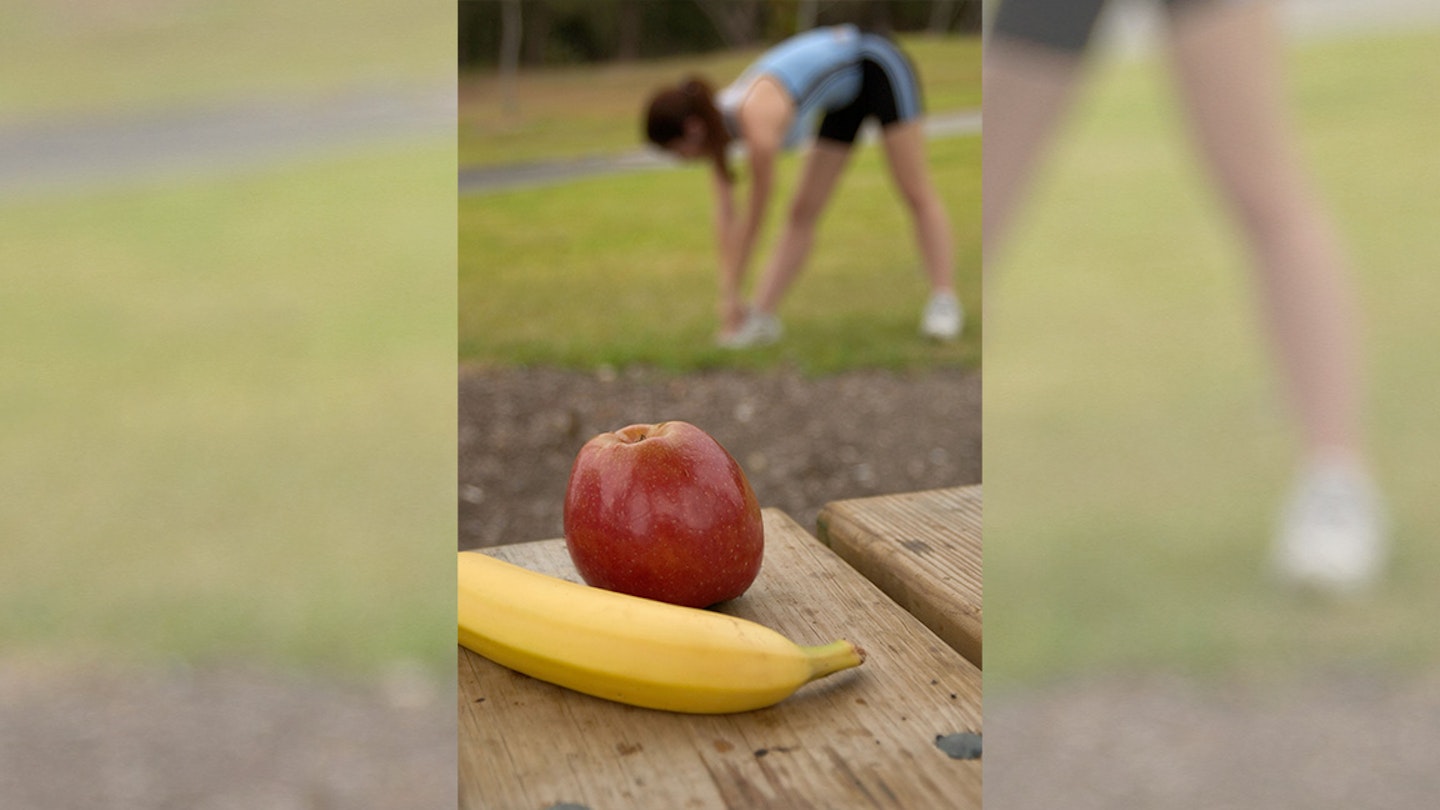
(924, 550)
(861, 738)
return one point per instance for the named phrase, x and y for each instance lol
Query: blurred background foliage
(553, 32)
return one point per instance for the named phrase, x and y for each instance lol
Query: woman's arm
(727, 245)
(738, 231)
(764, 117)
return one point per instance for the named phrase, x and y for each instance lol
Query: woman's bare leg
(1028, 88)
(905, 151)
(1332, 532)
(1226, 62)
(818, 178)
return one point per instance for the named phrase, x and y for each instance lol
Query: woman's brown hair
(669, 109)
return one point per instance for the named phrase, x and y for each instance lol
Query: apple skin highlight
(664, 512)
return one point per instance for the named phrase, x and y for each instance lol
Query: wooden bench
(900, 731)
(924, 550)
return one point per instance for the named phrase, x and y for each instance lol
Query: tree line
(509, 33)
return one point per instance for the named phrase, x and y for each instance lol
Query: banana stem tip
(826, 659)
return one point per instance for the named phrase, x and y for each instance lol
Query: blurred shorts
(1064, 25)
(889, 90)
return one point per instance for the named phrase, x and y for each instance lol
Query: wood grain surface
(924, 550)
(875, 736)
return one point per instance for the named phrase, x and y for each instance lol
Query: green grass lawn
(227, 400)
(569, 112)
(228, 412)
(1136, 446)
(620, 270)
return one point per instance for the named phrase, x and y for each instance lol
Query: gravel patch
(802, 441)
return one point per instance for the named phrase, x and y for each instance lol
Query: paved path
(98, 150)
(103, 150)
(527, 175)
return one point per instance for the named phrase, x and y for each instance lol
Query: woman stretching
(845, 76)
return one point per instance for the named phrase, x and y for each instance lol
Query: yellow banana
(632, 650)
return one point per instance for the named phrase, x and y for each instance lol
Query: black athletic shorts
(879, 97)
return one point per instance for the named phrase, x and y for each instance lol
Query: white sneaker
(943, 318)
(1332, 532)
(759, 329)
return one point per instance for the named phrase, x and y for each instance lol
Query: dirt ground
(802, 442)
(1332, 741)
(75, 736)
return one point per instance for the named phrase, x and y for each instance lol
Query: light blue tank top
(819, 68)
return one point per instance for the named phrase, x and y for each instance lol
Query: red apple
(663, 511)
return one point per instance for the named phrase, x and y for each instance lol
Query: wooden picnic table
(900, 731)
(924, 550)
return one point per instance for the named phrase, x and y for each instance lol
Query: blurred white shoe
(759, 329)
(943, 318)
(1332, 530)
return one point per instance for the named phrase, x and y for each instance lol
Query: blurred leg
(823, 166)
(1028, 88)
(1226, 60)
(1332, 532)
(905, 152)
